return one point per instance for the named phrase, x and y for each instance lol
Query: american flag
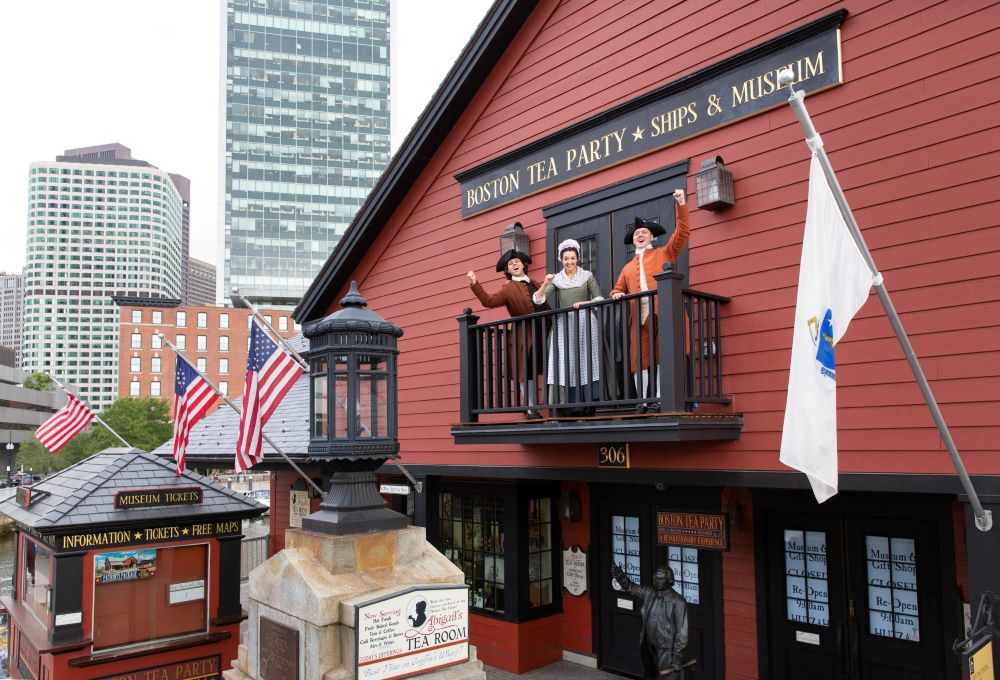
(193, 396)
(64, 424)
(271, 372)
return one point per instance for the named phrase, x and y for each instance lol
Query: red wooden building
(574, 117)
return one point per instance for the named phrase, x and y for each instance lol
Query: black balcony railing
(589, 361)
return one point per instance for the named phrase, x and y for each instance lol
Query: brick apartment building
(216, 339)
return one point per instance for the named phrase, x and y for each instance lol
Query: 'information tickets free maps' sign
(412, 632)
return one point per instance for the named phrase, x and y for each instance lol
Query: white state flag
(834, 283)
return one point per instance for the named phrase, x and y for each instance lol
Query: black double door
(858, 596)
(627, 537)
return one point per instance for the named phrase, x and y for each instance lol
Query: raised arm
(487, 299)
(545, 290)
(682, 229)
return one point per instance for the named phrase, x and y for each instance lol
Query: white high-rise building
(12, 313)
(100, 223)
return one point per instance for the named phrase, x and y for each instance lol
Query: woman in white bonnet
(575, 343)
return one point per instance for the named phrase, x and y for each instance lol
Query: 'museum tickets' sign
(703, 530)
(412, 632)
(739, 87)
(157, 498)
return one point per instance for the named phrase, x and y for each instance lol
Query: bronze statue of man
(664, 633)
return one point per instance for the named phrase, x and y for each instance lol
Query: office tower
(100, 223)
(201, 282)
(12, 313)
(306, 136)
(183, 185)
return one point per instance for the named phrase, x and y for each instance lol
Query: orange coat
(653, 260)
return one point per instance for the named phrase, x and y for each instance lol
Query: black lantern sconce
(713, 185)
(353, 415)
(514, 238)
(569, 507)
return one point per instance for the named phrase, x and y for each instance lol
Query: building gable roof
(484, 50)
(84, 494)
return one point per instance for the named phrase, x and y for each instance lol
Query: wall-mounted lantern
(714, 185)
(513, 238)
(353, 414)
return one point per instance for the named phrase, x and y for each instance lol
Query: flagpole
(284, 343)
(984, 518)
(225, 398)
(96, 417)
(281, 340)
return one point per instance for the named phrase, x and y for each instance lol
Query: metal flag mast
(96, 417)
(236, 408)
(298, 357)
(984, 518)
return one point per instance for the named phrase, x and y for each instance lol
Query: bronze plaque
(279, 651)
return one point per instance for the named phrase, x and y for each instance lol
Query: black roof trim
(145, 301)
(683, 83)
(482, 53)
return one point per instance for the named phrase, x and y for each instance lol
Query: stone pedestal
(308, 592)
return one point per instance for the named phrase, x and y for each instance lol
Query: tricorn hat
(510, 255)
(654, 227)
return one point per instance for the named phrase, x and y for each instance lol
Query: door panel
(625, 537)
(806, 602)
(595, 249)
(696, 573)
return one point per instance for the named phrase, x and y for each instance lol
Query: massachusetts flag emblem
(834, 282)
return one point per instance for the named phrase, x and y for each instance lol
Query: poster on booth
(412, 632)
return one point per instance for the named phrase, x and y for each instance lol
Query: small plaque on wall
(575, 570)
(613, 455)
(279, 651)
(299, 508)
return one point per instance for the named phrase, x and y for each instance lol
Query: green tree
(40, 382)
(144, 423)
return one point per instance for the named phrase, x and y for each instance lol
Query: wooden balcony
(573, 369)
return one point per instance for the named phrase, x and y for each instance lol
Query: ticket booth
(125, 569)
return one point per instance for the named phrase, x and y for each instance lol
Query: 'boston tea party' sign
(412, 632)
(743, 85)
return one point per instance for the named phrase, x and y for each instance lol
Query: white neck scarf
(520, 278)
(579, 279)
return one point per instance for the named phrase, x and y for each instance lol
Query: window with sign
(893, 610)
(806, 577)
(625, 550)
(170, 582)
(684, 562)
(472, 536)
(505, 538)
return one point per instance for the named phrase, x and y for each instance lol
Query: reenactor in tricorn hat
(637, 275)
(515, 295)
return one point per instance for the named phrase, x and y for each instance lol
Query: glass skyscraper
(306, 135)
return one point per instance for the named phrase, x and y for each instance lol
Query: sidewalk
(562, 670)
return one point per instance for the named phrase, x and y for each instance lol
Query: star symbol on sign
(138, 534)
(184, 531)
(637, 135)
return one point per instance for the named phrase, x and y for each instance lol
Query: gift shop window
(36, 581)
(502, 538)
(147, 595)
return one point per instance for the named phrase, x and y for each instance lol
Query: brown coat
(515, 297)
(653, 260)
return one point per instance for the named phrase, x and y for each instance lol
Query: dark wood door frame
(935, 509)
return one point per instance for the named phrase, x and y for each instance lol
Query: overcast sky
(146, 74)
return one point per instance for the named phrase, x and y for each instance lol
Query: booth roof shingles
(212, 442)
(84, 494)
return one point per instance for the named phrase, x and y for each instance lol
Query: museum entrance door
(627, 536)
(856, 596)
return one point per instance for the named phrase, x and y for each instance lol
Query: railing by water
(253, 553)
(580, 362)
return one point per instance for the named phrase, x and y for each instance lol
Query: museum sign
(740, 86)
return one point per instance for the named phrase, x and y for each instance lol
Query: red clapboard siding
(918, 159)
(739, 596)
